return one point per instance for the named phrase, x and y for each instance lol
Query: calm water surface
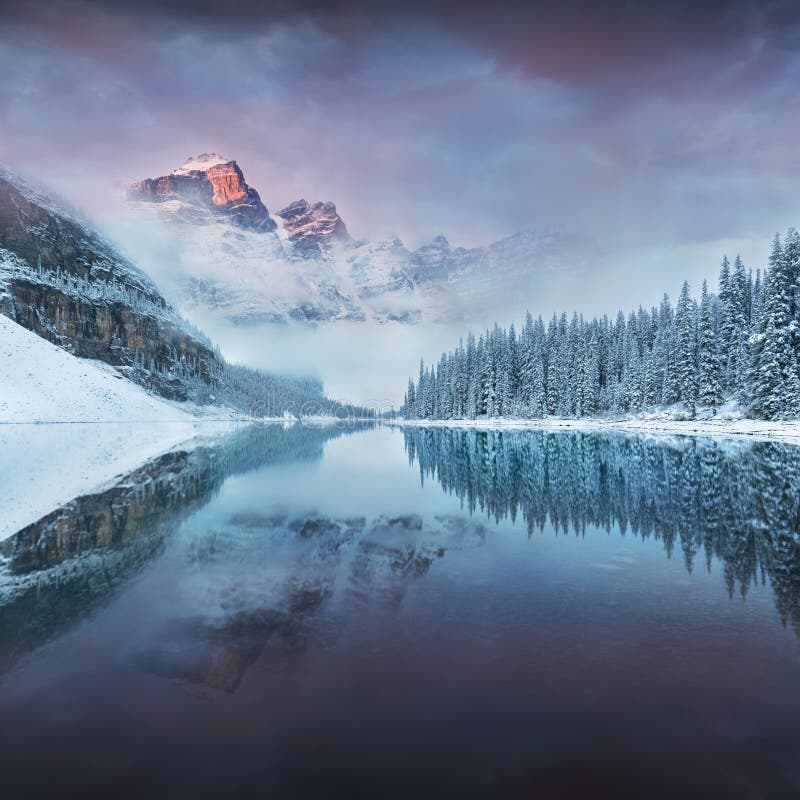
(317, 613)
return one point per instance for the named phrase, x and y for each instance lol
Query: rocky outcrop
(213, 183)
(154, 352)
(313, 228)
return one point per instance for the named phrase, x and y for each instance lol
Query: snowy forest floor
(723, 425)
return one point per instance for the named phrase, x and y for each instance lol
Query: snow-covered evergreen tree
(742, 344)
(776, 385)
(709, 392)
(687, 349)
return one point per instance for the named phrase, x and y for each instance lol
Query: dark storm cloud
(651, 125)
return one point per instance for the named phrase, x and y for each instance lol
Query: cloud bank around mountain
(659, 128)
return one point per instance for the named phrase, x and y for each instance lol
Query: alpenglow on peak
(211, 182)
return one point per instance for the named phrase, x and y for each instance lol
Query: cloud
(659, 125)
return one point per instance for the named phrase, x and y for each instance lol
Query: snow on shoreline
(71, 426)
(786, 431)
(114, 426)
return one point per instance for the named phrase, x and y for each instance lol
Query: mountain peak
(212, 182)
(313, 227)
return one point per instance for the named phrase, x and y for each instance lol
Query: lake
(313, 613)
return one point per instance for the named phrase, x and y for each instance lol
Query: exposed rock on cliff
(211, 182)
(60, 279)
(313, 228)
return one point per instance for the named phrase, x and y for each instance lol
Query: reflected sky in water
(324, 613)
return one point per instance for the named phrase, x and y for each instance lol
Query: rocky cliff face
(436, 261)
(61, 280)
(313, 228)
(213, 183)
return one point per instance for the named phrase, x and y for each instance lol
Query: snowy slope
(40, 382)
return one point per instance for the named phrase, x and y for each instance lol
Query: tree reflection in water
(738, 502)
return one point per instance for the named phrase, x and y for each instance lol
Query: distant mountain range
(239, 262)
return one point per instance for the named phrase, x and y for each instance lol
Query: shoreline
(784, 431)
(48, 464)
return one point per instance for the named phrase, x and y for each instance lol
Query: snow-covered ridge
(105, 256)
(36, 193)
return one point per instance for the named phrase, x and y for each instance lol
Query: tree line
(741, 344)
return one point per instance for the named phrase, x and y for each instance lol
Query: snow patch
(200, 163)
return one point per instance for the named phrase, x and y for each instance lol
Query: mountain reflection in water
(306, 613)
(56, 570)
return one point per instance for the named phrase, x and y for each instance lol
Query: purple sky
(655, 128)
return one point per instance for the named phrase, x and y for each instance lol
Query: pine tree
(554, 359)
(738, 357)
(411, 398)
(590, 386)
(775, 393)
(709, 392)
(538, 394)
(511, 376)
(791, 249)
(743, 343)
(686, 351)
(726, 322)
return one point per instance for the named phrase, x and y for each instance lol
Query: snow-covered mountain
(62, 280)
(212, 183)
(235, 260)
(313, 228)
